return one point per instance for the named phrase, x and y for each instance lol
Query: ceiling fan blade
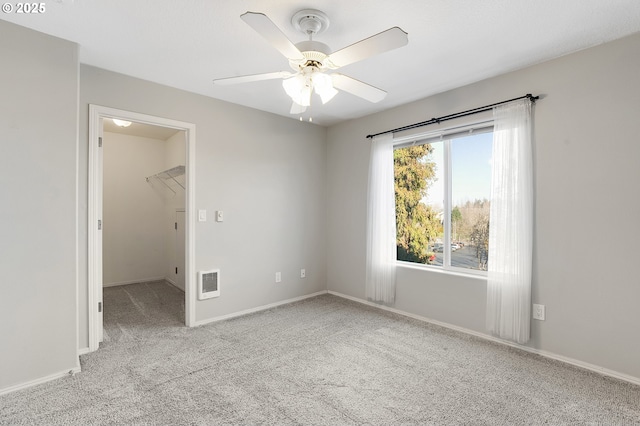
(382, 42)
(250, 78)
(267, 29)
(358, 88)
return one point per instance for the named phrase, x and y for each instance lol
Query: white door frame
(94, 291)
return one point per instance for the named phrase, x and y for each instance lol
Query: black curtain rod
(452, 116)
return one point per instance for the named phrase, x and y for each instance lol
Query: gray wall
(38, 139)
(587, 227)
(267, 173)
(133, 211)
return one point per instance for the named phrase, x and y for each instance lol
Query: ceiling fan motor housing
(313, 52)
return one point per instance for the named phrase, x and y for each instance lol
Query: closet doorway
(140, 203)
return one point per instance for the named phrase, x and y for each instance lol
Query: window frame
(445, 135)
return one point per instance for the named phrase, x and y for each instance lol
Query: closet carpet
(321, 361)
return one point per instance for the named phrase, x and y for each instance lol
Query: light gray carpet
(320, 361)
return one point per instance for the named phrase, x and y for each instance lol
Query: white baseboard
(83, 351)
(173, 283)
(258, 309)
(141, 280)
(546, 354)
(40, 380)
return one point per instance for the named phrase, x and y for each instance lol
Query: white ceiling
(186, 44)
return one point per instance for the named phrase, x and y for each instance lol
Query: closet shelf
(169, 175)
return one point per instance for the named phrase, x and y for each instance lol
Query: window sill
(439, 270)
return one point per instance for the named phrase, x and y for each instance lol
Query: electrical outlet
(278, 277)
(538, 312)
(303, 273)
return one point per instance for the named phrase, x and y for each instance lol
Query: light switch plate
(219, 216)
(202, 215)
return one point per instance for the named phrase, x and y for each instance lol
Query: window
(442, 187)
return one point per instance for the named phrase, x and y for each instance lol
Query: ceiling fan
(310, 59)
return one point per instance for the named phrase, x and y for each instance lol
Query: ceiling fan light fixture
(298, 89)
(305, 96)
(323, 86)
(292, 86)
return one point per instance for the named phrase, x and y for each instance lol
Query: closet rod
(455, 115)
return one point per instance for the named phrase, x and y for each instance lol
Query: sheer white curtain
(511, 224)
(381, 223)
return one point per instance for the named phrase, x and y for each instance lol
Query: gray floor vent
(208, 284)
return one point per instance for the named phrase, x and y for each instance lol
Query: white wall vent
(208, 284)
